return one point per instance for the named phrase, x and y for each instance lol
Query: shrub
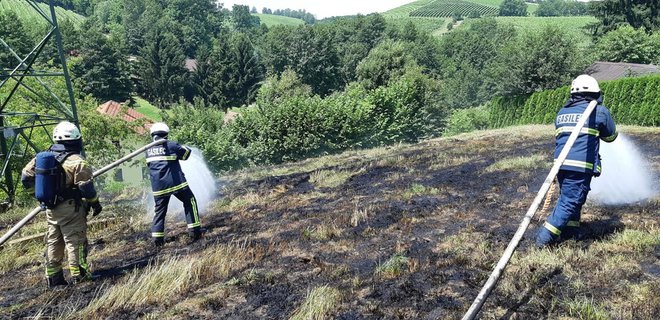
(299, 126)
(466, 120)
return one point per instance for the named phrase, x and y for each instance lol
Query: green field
(573, 25)
(435, 26)
(144, 107)
(29, 16)
(273, 20)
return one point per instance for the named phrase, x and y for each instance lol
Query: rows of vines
(28, 15)
(448, 8)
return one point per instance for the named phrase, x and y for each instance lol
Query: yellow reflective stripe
(51, 271)
(196, 221)
(158, 234)
(573, 224)
(95, 199)
(187, 154)
(172, 189)
(552, 228)
(75, 271)
(590, 131)
(195, 212)
(161, 158)
(579, 164)
(612, 137)
(81, 258)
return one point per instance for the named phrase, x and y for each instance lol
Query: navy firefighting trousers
(564, 222)
(190, 208)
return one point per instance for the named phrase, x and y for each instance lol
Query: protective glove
(96, 208)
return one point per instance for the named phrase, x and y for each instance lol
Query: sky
(323, 8)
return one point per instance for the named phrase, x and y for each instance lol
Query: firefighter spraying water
(167, 179)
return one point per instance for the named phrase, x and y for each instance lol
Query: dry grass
(520, 163)
(358, 216)
(393, 267)
(16, 256)
(417, 189)
(322, 232)
(161, 283)
(329, 178)
(318, 305)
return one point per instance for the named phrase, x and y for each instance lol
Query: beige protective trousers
(67, 229)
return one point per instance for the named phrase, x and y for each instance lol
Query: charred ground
(408, 232)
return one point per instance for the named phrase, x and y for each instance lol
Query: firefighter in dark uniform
(582, 162)
(167, 179)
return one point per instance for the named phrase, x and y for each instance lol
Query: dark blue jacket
(163, 162)
(583, 156)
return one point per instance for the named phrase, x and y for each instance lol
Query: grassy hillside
(144, 107)
(408, 231)
(573, 25)
(30, 16)
(273, 20)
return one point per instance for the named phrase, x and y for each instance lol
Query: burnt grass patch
(411, 233)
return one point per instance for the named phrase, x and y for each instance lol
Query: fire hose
(97, 173)
(513, 244)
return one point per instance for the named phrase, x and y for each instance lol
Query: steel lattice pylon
(18, 126)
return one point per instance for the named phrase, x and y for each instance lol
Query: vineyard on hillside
(448, 8)
(30, 16)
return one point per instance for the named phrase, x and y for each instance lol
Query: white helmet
(585, 83)
(159, 128)
(66, 131)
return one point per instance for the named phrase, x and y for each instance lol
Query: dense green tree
(15, 35)
(242, 20)
(134, 31)
(466, 55)
(528, 65)
(627, 44)
(513, 8)
(307, 50)
(100, 71)
(229, 75)
(278, 88)
(354, 38)
(163, 78)
(199, 20)
(614, 13)
(389, 60)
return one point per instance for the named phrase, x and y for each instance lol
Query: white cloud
(322, 9)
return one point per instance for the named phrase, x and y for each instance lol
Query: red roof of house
(114, 109)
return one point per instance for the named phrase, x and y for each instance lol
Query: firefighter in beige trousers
(67, 218)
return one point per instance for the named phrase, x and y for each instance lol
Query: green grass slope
(30, 16)
(574, 26)
(399, 232)
(273, 20)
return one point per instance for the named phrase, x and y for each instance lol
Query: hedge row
(633, 101)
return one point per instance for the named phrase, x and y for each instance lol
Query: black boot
(195, 234)
(83, 276)
(159, 242)
(56, 280)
